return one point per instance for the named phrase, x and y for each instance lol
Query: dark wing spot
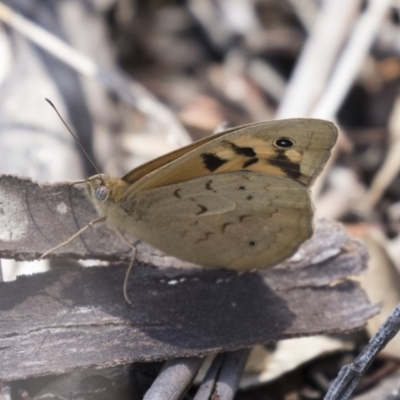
(289, 168)
(251, 243)
(212, 162)
(250, 162)
(243, 217)
(242, 188)
(249, 197)
(206, 236)
(203, 209)
(243, 151)
(176, 193)
(224, 226)
(284, 143)
(208, 186)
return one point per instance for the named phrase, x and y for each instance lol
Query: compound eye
(101, 193)
(284, 143)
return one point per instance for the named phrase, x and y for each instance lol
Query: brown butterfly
(237, 200)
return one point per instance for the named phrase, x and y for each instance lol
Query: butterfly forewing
(154, 165)
(296, 149)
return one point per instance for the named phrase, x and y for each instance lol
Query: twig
(318, 57)
(207, 386)
(385, 175)
(350, 375)
(174, 379)
(350, 62)
(230, 374)
(391, 164)
(267, 77)
(124, 86)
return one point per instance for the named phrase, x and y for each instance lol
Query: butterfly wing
(241, 221)
(294, 148)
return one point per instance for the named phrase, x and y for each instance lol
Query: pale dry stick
(223, 19)
(125, 87)
(174, 379)
(391, 166)
(267, 78)
(235, 86)
(349, 65)
(352, 58)
(311, 75)
(385, 175)
(318, 57)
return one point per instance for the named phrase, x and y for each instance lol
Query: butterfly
(238, 199)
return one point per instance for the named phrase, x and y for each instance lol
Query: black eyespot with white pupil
(284, 143)
(101, 193)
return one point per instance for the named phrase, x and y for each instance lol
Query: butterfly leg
(124, 239)
(128, 271)
(74, 236)
(125, 287)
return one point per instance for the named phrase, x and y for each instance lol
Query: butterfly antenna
(76, 139)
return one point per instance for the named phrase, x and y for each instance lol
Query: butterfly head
(103, 189)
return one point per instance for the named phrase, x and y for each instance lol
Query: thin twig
(230, 374)
(350, 375)
(207, 386)
(318, 57)
(391, 164)
(352, 58)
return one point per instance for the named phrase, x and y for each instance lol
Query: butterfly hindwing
(239, 220)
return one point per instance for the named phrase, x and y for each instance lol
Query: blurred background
(136, 79)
